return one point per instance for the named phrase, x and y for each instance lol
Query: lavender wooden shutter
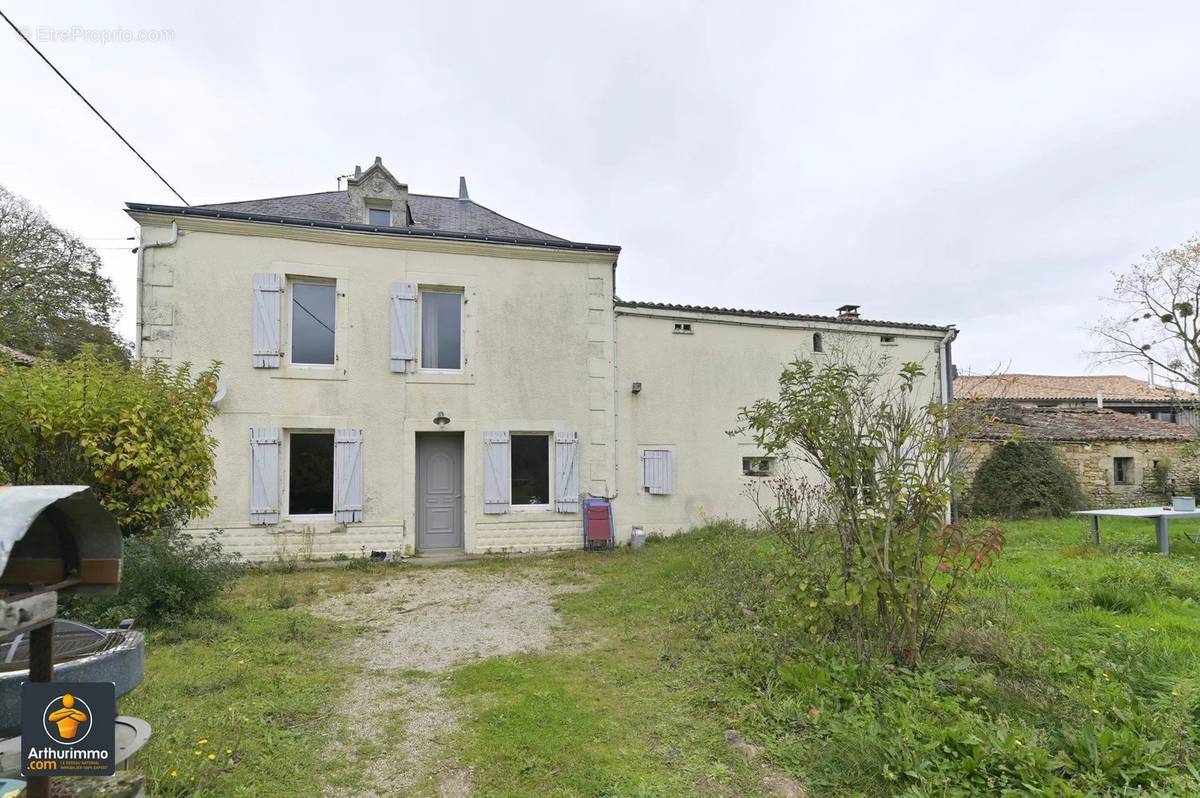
(657, 471)
(264, 475)
(268, 305)
(495, 472)
(403, 299)
(347, 476)
(566, 472)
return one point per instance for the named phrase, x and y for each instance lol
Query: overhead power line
(78, 93)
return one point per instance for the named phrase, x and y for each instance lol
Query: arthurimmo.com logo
(68, 729)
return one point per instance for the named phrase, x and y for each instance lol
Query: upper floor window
(313, 320)
(380, 216)
(818, 343)
(441, 330)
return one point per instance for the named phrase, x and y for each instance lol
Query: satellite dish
(222, 389)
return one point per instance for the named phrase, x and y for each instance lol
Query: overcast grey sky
(987, 166)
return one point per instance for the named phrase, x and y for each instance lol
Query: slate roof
(428, 212)
(1032, 387)
(1079, 424)
(773, 314)
(432, 217)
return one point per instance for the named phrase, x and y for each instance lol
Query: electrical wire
(79, 94)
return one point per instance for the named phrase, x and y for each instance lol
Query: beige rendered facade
(542, 381)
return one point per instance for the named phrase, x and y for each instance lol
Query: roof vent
(847, 312)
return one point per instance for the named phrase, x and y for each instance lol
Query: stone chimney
(376, 189)
(847, 313)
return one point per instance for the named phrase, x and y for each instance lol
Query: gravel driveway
(419, 624)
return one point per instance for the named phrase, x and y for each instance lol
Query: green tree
(1024, 479)
(53, 298)
(862, 499)
(138, 436)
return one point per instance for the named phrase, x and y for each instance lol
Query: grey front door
(439, 490)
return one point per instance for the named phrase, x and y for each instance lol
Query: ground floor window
(310, 473)
(530, 469)
(758, 466)
(1123, 470)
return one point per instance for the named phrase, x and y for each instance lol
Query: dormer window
(378, 198)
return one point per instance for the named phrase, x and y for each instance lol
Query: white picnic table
(1161, 515)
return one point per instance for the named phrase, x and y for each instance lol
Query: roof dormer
(378, 196)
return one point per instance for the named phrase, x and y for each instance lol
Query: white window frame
(291, 282)
(377, 205)
(549, 505)
(285, 468)
(462, 327)
(769, 459)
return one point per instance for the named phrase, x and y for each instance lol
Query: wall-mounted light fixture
(637, 387)
(441, 419)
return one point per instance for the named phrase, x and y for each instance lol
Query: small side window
(1122, 470)
(758, 466)
(379, 216)
(683, 328)
(887, 340)
(818, 343)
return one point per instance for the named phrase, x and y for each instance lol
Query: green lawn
(1067, 670)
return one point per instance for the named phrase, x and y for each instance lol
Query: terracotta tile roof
(1080, 424)
(1016, 387)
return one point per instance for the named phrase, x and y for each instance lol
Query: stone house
(1121, 459)
(408, 371)
(1112, 392)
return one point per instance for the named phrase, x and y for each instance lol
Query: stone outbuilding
(1121, 459)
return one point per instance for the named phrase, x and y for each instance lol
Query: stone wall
(1092, 463)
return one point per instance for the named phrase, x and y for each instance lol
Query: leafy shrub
(876, 562)
(1024, 479)
(168, 577)
(138, 436)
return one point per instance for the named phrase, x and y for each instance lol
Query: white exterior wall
(693, 386)
(538, 357)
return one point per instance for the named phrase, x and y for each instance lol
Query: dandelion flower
(199, 753)
(174, 774)
(229, 750)
(212, 757)
(202, 742)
